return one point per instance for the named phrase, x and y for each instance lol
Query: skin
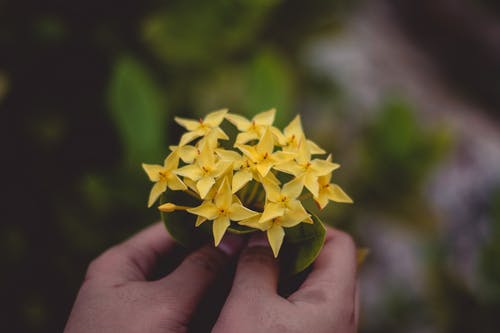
(118, 295)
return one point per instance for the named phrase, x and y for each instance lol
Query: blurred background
(406, 94)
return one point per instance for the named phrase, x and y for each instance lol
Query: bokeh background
(406, 94)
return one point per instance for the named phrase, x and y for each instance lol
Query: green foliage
(302, 246)
(138, 109)
(398, 153)
(199, 33)
(269, 83)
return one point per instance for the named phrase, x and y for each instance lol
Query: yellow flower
(292, 135)
(328, 191)
(163, 176)
(204, 170)
(274, 227)
(222, 210)
(187, 153)
(307, 170)
(207, 127)
(283, 201)
(251, 129)
(262, 154)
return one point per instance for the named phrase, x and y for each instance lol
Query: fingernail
(231, 244)
(258, 239)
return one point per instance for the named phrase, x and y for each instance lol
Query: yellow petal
(228, 155)
(187, 153)
(323, 167)
(206, 209)
(335, 193)
(199, 220)
(290, 167)
(311, 183)
(293, 188)
(219, 228)
(263, 167)
(188, 124)
(244, 137)
(314, 148)
(266, 143)
(153, 171)
(253, 222)
(271, 211)
(176, 184)
(250, 152)
(294, 128)
(239, 212)
(241, 123)
(171, 162)
(265, 118)
(224, 196)
(189, 136)
(206, 158)
(303, 153)
(204, 185)
(220, 168)
(273, 191)
(190, 171)
(294, 215)
(322, 199)
(156, 191)
(240, 179)
(283, 156)
(275, 236)
(215, 118)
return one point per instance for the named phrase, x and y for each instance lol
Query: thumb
(257, 270)
(188, 283)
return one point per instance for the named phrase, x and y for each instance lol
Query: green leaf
(181, 226)
(302, 246)
(138, 110)
(269, 85)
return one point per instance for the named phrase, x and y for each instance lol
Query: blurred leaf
(302, 246)
(138, 110)
(269, 84)
(181, 226)
(195, 33)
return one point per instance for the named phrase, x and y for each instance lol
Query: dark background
(88, 91)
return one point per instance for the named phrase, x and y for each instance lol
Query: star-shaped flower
(307, 170)
(281, 201)
(292, 135)
(262, 154)
(329, 191)
(163, 176)
(205, 170)
(207, 127)
(223, 209)
(274, 227)
(251, 129)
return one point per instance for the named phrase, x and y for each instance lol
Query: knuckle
(207, 259)
(345, 240)
(257, 255)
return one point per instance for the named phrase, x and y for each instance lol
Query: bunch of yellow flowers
(257, 182)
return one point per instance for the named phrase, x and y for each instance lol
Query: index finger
(334, 272)
(135, 258)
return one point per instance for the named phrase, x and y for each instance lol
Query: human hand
(327, 301)
(116, 295)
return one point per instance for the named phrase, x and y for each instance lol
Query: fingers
(198, 271)
(134, 259)
(257, 271)
(334, 272)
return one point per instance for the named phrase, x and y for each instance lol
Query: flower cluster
(257, 183)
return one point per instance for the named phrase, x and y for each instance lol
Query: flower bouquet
(256, 182)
